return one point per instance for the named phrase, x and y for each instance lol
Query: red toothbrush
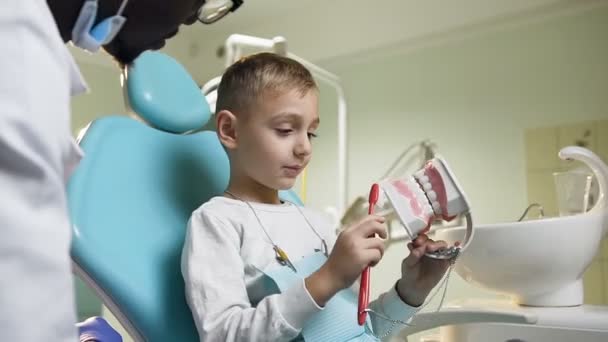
(364, 286)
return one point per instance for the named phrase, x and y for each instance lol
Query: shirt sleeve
(389, 304)
(213, 272)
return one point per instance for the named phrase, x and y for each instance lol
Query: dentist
(37, 78)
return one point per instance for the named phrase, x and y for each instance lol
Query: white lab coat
(37, 78)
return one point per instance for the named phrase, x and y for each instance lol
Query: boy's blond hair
(262, 74)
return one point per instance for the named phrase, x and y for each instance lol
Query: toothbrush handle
(363, 296)
(365, 276)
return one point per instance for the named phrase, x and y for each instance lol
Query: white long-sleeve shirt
(224, 251)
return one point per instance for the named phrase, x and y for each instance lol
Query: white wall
(474, 95)
(104, 96)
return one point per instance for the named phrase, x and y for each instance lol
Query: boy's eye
(311, 135)
(284, 131)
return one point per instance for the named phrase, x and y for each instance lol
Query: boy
(266, 116)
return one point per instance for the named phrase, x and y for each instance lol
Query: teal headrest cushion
(162, 93)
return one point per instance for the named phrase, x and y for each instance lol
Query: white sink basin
(539, 262)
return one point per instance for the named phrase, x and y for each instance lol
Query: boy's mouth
(293, 170)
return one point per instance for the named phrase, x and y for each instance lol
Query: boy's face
(273, 144)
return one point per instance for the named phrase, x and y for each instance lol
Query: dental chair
(133, 193)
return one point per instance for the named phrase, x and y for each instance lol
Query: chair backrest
(132, 195)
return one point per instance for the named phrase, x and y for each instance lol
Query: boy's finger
(372, 256)
(384, 231)
(368, 230)
(420, 240)
(436, 245)
(375, 243)
(415, 255)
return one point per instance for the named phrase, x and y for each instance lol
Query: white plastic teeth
(430, 195)
(436, 208)
(428, 210)
(422, 199)
(418, 192)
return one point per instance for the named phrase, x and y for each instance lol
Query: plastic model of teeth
(431, 193)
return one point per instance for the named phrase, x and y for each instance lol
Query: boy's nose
(303, 146)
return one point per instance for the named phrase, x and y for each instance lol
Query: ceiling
(328, 30)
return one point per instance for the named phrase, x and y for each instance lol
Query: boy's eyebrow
(292, 116)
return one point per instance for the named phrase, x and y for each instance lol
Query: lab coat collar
(77, 83)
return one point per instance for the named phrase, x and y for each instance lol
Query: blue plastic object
(97, 329)
(162, 92)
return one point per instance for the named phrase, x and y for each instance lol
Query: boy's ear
(226, 128)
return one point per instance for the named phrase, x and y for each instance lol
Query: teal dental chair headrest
(162, 93)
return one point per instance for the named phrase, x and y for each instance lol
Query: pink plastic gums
(432, 193)
(438, 187)
(416, 207)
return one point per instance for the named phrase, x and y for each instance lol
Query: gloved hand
(97, 329)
